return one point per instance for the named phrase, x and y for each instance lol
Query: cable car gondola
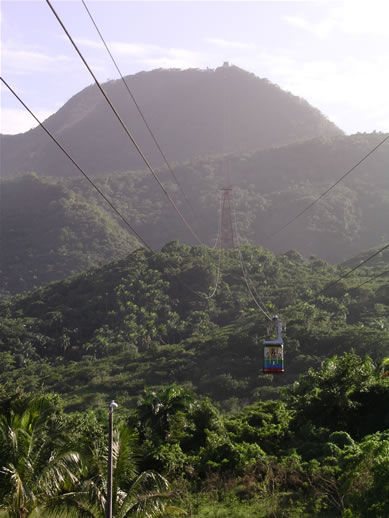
(273, 351)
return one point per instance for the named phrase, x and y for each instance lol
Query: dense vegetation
(49, 232)
(146, 320)
(192, 112)
(201, 429)
(177, 455)
(54, 228)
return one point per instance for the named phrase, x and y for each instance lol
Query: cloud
(171, 58)
(134, 49)
(142, 54)
(361, 17)
(15, 120)
(356, 17)
(338, 88)
(352, 92)
(150, 56)
(131, 49)
(348, 80)
(297, 21)
(18, 61)
(85, 42)
(230, 44)
(321, 29)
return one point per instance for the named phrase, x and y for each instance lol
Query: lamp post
(112, 405)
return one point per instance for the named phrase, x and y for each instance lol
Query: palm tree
(142, 495)
(157, 409)
(33, 472)
(38, 479)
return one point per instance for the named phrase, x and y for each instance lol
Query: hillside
(175, 334)
(380, 260)
(270, 187)
(193, 113)
(145, 320)
(186, 372)
(49, 232)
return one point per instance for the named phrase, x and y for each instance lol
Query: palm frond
(146, 497)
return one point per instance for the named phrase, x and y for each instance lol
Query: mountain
(218, 126)
(381, 260)
(49, 232)
(270, 187)
(146, 321)
(192, 113)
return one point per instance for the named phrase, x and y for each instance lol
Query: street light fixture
(112, 405)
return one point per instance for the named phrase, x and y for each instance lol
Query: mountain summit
(192, 113)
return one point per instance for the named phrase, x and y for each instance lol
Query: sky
(332, 53)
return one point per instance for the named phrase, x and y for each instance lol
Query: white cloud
(362, 17)
(351, 92)
(18, 61)
(321, 29)
(144, 55)
(230, 44)
(338, 88)
(14, 120)
(131, 49)
(172, 58)
(85, 42)
(116, 47)
(134, 49)
(346, 81)
(149, 56)
(297, 21)
(350, 17)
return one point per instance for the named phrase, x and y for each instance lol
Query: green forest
(56, 227)
(174, 331)
(200, 431)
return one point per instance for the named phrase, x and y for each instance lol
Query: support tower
(227, 237)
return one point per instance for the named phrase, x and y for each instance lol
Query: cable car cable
(126, 222)
(78, 167)
(270, 236)
(218, 242)
(218, 274)
(41, 124)
(261, 305)
(353, 269)
(264, 311)
(213, 293)
(122, 123)
(226, 164)
(138, 107)
(372, 279)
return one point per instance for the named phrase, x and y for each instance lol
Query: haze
(334, 54)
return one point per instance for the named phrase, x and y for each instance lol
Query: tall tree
(158, 408)
(34, 472)
(133, 494)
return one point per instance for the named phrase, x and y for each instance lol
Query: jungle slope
(145, 320)
(66, 227)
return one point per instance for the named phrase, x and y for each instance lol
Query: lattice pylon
(227, 237)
